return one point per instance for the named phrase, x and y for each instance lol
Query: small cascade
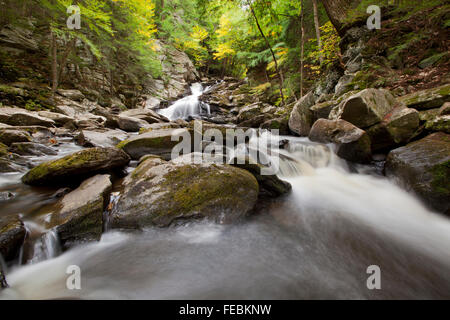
(114, 199)
(46, 247)
(189, 106)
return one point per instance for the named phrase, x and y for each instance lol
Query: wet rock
(80, 214)
(353, 144)
(424, 167)
(129, 124)
(12, 235)
(104, 138)
(32, 149)
(3, 283)
(6, 195)
(21, 117)
(157, 142)
(365, 108)
(162, 194)
(77, 166)
(269, 185)
(402, 123)
(8, 137)
(301, 118)
(427, 99)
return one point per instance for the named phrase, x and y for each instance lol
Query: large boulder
(80, 213)
(301, 118)
(398, 127)
(12, 235)
(424, 167)
(427, 99)
(179, 190)
(353, 144)
(77, 166)
(8, 137)
(100, 138)
(130, 124)
(365, 108)
(280, 124)
(59, 118)
(21, 117)
(157, 142)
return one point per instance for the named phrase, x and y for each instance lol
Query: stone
(31, 149)
(59, 118)
(130, 124)
(428, 98)
(156, 142)
(12, 235)
(423, 166)
(353, 144)
(21, 117)
(77, 166)
(79, 217)
(301, 118)
(365, 108)
(164, 194)
(75, 95)
(8, 137)
(100, 138)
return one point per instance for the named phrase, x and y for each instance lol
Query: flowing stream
(315, 243)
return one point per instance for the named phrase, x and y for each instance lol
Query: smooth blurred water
(315, 243)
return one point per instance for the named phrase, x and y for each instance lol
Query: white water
(315, 243)
(186, 107)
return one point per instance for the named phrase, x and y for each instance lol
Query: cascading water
(315, 243)
(188, 106)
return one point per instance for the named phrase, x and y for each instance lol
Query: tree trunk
(302, 54)
(317, 25)
(54, 51)
(337, 11)
(271, 51)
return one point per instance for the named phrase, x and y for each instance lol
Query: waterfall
(46, 247)
(188, 106)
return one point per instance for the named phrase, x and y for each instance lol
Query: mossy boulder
(79, 216)
(161, 194)
(353, 144)
(8, 137)
(156, 142)
(77, 166)
(441, 123)
(12, 235)
(427, 99)
(280, 124)
(424, 167)
(365, 108)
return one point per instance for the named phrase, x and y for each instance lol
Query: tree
(317, 27)
(337, 11)
(280, 77)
